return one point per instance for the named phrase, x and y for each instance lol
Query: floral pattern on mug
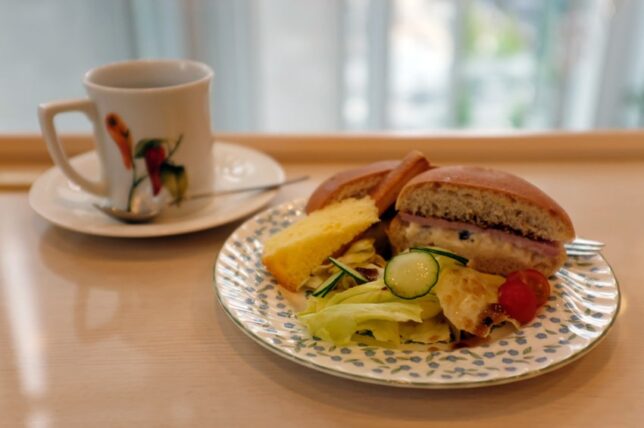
(120, 133)
(163, 172)
(157, 154)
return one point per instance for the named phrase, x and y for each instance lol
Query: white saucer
(64, 204)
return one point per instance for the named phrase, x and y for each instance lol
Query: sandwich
(498, 221)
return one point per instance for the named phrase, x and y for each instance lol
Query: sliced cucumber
(411, 275)
(360, 278)
(328, 285)
(462, 260)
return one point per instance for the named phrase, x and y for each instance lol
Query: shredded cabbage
(338, 323)
(382, 331)
(362, 251)
(373, 292)
(333, 318)
(361, 254)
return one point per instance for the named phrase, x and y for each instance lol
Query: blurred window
(320, 66)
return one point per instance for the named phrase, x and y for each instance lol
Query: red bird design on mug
(120, 133)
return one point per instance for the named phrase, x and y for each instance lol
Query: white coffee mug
(151, 123)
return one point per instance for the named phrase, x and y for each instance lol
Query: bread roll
(386, 192)
(353, 183)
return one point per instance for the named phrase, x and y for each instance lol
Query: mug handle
(46, 114)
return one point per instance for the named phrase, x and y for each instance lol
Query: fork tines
(583, 247)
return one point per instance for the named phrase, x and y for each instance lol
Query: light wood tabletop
(115, 332)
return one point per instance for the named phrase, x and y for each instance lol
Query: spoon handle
(248, 189)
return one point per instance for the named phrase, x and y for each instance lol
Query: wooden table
(114, 332)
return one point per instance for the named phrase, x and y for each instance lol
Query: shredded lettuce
(338, 323)
(370, 289)
(368, 307)
(362, 251)
(372, 292)
(361, 254)
(382, 331)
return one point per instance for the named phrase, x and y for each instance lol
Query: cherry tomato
(518, 300)
(535, 280)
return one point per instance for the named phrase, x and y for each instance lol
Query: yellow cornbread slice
(292, 254)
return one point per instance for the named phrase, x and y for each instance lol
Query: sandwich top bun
(383, 181)
(353, 183)
(386, 192)
(486, 198)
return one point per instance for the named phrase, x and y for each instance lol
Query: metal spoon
(146, 216)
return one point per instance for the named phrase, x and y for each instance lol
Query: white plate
(582, 308)
(64, 204)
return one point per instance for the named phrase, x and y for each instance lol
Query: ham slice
(547, 248)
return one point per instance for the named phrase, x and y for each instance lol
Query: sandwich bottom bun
(490, 251)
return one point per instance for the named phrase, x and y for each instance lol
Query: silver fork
(583, 247)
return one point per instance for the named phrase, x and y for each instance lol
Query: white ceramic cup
(151, 122)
